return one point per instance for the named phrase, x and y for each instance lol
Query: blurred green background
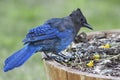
(18, 16)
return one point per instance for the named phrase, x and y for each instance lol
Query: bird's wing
(41, 33)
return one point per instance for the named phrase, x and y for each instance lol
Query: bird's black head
(79, 20)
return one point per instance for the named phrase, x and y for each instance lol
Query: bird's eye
(81, 19)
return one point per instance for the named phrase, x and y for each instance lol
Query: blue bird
(53, 36)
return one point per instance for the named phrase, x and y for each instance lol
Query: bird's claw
(48, 57)
(65, 57)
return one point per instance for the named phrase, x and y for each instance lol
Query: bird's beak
(87, 26)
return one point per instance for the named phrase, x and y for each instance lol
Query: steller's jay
(53, 36)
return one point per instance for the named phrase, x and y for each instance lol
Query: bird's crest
(76, 12)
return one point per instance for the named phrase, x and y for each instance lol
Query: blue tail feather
(19, 57)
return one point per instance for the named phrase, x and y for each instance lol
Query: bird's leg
(48, 57)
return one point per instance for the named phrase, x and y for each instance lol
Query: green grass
(18, 16)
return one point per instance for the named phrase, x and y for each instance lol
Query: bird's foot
(59, 60)
(48, 57)
(66, 58)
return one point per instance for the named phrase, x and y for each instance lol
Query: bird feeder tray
(57, 71)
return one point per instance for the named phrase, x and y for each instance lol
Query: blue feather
(19, 57)
(41, 33)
